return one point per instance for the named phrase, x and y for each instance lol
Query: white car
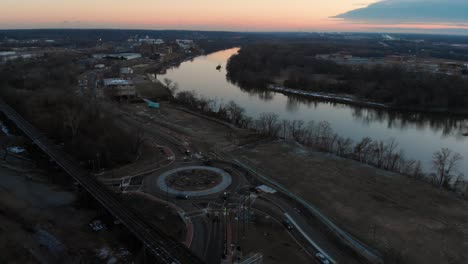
(322, 258)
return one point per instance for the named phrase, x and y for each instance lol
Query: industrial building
(119, 87)
(118, 56)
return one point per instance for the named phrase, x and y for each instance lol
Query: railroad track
(165, 249)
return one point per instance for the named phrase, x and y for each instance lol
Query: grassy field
(407, 220)
(269, 237)
(151, 90)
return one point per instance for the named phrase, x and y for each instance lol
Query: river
(419, 135)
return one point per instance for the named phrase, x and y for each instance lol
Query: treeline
(259, 65)
(45, 92)
(320, 136)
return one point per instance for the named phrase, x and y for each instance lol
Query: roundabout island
(194, 181)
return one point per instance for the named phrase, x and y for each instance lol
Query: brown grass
(269, 238)
(398, 215)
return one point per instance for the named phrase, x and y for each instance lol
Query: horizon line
(233, 31)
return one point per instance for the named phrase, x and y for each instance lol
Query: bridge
(165, 249)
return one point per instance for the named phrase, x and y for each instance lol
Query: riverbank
(326, 96)
(352, 100)
(418, 134)
(299, 67)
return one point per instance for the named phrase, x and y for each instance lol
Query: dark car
(322, 258)
(182, 197)
(288, 224)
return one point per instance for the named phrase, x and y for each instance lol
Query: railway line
(165, 249)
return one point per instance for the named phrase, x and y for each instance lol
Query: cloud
(411, 11)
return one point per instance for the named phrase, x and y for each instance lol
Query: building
(7, 55)
(118, 56)
(13, 55)
(185, 43)
(119, 87)
(149, 40)
(126, 70)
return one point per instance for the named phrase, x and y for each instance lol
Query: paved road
(323, 243)
(317, 233)
(215, 242)
(165, 249)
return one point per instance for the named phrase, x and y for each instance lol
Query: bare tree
(343, 146)
(139, 139)
(173, 87)
(167, 82)
(268, 124)
(417, 172)
(297, 130)
(445, 163)
(73, 116)
(323, 134)
(379, 153)
(285, 125)
(247, 122)
(363, 149)
(390, 158)
(235, 112)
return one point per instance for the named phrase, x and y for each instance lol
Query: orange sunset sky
(239, 15)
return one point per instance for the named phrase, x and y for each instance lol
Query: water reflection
(450, 125)
(292, 105)
(419, 134)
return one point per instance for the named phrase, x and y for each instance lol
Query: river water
(419, 135)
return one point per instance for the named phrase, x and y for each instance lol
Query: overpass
(165, 249)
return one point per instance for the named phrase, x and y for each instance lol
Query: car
(288, 225)
(322, 258)
(182, 197)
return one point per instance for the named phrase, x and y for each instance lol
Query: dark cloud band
(411, 11)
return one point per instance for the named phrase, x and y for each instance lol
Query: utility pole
(94, 167)
(144, 253)
(248, 211)
(225, 231)
(243, 220)
(98, 162)
(237, 228)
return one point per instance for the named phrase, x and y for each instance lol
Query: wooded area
(45, 92)
(259, 65)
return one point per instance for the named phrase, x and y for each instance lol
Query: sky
(240, 15)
